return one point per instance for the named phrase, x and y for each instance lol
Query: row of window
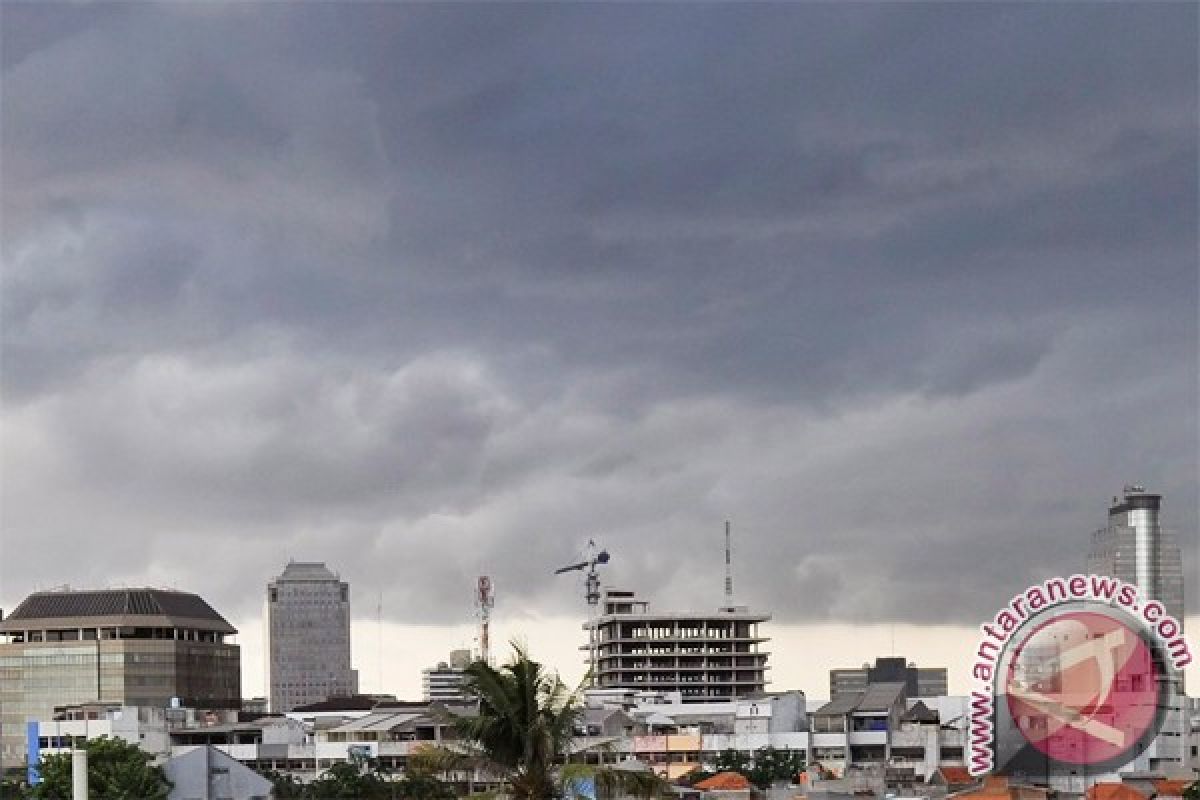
(92, 634)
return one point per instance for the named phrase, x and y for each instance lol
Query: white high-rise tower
(1135, 547)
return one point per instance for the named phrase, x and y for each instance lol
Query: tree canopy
(523, 735)
(117, 770)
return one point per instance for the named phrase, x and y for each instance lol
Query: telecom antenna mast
(591, 594)
(728, 569)
(485, 601)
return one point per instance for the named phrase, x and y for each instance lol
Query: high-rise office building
(917, 681)
(1135, 547)
(132, 647)
(702, 656)
(308, 637)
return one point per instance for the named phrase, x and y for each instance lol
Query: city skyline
(906, 292)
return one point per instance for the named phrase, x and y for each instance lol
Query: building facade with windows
(308, 637)
(1135, 547)
(703, 656)
(918, 681)
(446, 682)
(133, 647)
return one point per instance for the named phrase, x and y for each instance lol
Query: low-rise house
(206, 773)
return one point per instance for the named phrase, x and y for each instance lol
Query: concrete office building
(918, 681)
(1135, 547)
(703, 656)
(136, 647)
(444, 683)
(308, 637)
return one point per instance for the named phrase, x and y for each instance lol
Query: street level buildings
(703, 656)
(308, 637)
(137, 647)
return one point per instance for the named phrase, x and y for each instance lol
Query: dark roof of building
(876, 697)
(117, 603)
(880, 696)
(358, 702)
(844, 703)
(920, 713)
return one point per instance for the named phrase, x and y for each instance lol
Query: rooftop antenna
(591, 594)
(728, 568)
(379, 643)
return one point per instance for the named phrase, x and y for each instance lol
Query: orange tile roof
(957, 776)
(1113, 791)
(1171, 788)
(724, 782)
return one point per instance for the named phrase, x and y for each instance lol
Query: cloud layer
(429, 291)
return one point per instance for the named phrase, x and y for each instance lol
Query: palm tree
(523, 733)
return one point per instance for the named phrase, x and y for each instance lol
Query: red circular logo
(1082, 688)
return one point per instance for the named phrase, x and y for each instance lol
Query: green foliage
(13, 789)
(526, 722)
(117, 770)
(1192, 792)
(360, 778)
(285, 787)
(417, 786)
(523, 734)
(764, 768)
(357, 779)
(695, 776)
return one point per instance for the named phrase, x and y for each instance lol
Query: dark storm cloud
(907, 291)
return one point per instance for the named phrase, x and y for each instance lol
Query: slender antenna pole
(379, 643)
(728, 568)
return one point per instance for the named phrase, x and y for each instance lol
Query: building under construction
(702, 656)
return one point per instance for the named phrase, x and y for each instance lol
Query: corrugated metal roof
(876, 697)
(880, 696)
(115, 603)
(844, 703)
(378, 721)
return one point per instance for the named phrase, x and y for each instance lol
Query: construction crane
(591, 594)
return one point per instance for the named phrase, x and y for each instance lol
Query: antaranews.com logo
(1074, 671)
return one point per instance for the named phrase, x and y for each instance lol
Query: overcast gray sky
(906, 291)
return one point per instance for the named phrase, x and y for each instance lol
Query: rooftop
(168, 605)
(1113, 791)
(633, 608)
(877, 697)
(307, 571)
(358, 702)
